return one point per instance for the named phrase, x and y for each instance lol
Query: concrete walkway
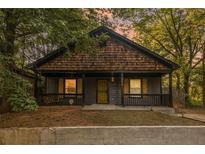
(198, 117)
(167, 110)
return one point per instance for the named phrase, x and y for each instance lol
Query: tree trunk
(186, 88)
(8, 51)
(178, 82)
(5, 106)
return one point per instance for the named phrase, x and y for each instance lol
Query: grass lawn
(73, 116)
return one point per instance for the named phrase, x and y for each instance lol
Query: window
(73, 86)
(70, 86)
(135, 86)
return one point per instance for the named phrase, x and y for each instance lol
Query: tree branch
(177, 31)
(197, 63)
(165, 23)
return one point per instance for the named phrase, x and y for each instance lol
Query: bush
(15, 88)
(22, 103)
(20, 98)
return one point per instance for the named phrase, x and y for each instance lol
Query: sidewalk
(199, 117)
(97, 107)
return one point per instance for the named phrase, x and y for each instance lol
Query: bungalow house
(122, 73)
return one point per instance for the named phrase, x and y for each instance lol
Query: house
(122, 73)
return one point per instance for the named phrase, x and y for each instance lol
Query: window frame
(140, 86)
(75, 86)
(76, 91)
(141, 89)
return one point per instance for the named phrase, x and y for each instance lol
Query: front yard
(73, 116)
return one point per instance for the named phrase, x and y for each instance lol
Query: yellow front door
(102, 92)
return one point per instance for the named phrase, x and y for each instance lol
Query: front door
(102, 92)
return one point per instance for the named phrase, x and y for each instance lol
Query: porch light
(112, 79)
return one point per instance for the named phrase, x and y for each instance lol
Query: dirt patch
(74, 116)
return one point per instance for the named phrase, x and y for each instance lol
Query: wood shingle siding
(114, 57)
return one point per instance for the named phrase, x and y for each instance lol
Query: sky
(121, 25)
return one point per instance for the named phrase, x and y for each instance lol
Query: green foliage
(15, 88)
(28, 34)
(177, 34)
(22, 101)
(39, 31)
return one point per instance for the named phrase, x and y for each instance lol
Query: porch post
(83, 102)
(170, 90)
(161, 90)
(36, 87)
(122, 85)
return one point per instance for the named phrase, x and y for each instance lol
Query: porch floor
(161, 109)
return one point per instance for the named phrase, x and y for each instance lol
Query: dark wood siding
(90, 90)
(52, 85)
(151, 86)
(115, 93)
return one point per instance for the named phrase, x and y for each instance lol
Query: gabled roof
(103, 29)
(23, 72)
(125, 41)
(48, 57)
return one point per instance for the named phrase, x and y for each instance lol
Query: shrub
(20, 98)
(15, 89)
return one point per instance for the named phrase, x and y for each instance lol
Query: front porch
(124, 89)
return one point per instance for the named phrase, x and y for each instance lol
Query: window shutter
(61, 86)
(126, 86)
(145, 86)
(79, 86)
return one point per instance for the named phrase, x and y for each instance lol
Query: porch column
(83, 101)
(161, 90)
(170, 90)
(122, 85)
(36, 87)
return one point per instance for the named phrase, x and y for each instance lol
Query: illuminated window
(70, 86)
(135, 86)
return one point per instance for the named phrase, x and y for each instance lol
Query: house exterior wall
(90, 90)
(115, 92)
(150, 85)
(153, 85)
(52, 85)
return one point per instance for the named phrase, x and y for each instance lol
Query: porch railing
(61, 99)
(129, 99)
(146, 99)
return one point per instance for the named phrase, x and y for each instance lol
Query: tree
(177, 34)
(32, 32)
